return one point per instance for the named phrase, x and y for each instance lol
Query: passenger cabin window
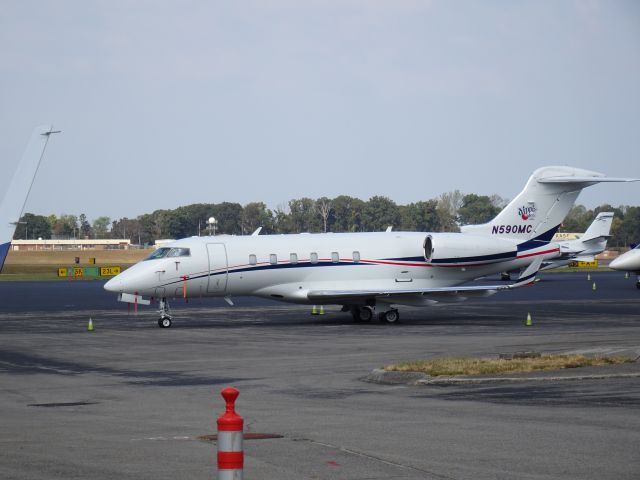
(356, 257)
(335, 258)
(313, 257)
(273, 259)
(293, 258)
(252, 259)
(159, 253)
(179, 252)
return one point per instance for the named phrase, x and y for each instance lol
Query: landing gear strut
(165, 314)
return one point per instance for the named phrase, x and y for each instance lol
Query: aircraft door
(218, 268)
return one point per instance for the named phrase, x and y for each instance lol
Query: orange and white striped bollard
(230, 436)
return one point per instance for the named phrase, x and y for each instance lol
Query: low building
(73, 244)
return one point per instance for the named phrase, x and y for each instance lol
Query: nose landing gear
(165, 314)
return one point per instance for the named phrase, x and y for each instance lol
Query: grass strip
(488, 366)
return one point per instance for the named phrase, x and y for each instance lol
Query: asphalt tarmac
(130, 400)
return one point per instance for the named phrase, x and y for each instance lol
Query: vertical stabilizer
(538, 210)
(15, 197)
(599, 228)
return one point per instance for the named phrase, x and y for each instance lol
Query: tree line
(445, 213)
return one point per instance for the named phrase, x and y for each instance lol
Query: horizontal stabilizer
(594, 179)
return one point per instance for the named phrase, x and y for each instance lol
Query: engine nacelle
(457, 248)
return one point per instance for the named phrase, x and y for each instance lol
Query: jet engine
(443, 248)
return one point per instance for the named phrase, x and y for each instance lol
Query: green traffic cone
(321, 312)
(90, 326)
(529, 321)
(314, 310)
(594, 286)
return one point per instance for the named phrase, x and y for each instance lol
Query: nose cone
(114, 285)
(629, 261)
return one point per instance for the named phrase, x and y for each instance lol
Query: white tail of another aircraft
(15, 197)
(538, 210)
(599, 228)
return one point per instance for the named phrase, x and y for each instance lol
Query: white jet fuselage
(288, 267)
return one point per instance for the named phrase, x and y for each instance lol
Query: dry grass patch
(67, 257)
(488, 366)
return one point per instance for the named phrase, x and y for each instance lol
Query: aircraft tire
(164, 322)
(505, 277)
(391, 316)
(364, 314)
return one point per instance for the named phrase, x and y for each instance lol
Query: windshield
(159, 253)
(179, 252)
(169, 253)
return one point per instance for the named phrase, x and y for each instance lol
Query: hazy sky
(170, 103)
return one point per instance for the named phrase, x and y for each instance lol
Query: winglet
(256, 232)
(528, 277)
(15, 198)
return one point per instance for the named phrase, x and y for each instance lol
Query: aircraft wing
(528, 277)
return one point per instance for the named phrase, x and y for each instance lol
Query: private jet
(629, 262)
(364, 272)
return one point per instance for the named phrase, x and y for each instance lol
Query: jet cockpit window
(159, 253)
(179, 252)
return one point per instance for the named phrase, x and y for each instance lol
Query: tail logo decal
(527, 213)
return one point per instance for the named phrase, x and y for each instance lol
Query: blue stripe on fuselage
(539, 241)
(271, 267)
(479, 258)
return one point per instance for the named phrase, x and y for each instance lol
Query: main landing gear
(366, 314)
(165, 314)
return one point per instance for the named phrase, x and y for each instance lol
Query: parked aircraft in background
(15, 197)
(365, 271)
(629, 262)
(583, 249)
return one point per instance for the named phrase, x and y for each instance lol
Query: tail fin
(15, 197)
(539, 209)
(599, 228)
